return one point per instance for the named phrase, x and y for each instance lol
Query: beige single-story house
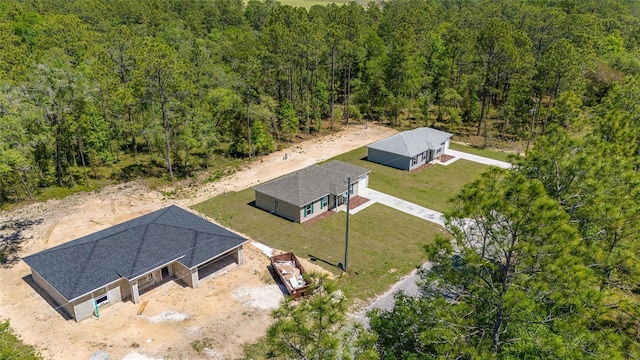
(304, 194)
(410, 149)
(88, 274)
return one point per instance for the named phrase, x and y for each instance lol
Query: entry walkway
(417, 210)
(398, 204)
(409, 283)
(475, 158)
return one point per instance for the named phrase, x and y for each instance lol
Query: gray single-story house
(411, 149)
(307, 193)
(119, 263)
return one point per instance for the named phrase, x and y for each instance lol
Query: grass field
(497, 155)
(431, 187)
(309, 3)
(384, 244)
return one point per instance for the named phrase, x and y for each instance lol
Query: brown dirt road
(225, 313)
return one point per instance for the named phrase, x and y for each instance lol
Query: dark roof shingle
(412, 142)
(131, 249)
(311, 183)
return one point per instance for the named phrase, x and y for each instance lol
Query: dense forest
(94, 89)
(545, 258)
(544, 262)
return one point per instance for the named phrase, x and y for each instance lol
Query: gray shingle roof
(311, 183)
(412, 142)
(131, 249)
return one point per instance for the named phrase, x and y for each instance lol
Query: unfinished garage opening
(131, 258)
(212, 267)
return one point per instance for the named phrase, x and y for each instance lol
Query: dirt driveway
(220, 316)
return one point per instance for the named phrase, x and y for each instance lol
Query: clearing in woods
(224, 313)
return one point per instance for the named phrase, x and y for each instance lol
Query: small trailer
(291, 274)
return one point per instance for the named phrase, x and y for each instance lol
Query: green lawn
(12, 347)
(431, 187)
(496, 155)
(384, 244)
(309, 3)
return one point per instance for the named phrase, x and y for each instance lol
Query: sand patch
(265, 298)
(213, 311)
(168, 315)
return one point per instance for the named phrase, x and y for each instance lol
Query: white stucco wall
(84, 306)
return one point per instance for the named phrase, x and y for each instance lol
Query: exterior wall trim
(315, 200)
(96, 289)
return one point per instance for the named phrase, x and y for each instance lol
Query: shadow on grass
(314, 258)
(153, 169)
(29, 280)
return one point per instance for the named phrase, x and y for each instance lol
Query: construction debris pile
(291, 273)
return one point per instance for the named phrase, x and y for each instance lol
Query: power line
(275, 231)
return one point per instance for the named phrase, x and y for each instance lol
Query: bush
(11, 347)
(199, 345)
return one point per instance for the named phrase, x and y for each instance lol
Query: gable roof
(131, 249)
(412, 142)
(311, 183)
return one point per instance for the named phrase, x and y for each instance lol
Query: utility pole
(346, 234)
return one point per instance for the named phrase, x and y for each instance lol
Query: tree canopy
(90, 85)
(544, 263)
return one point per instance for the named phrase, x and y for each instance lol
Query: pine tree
(511, 284)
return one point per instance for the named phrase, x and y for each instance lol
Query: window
(414, 160)
(101, 297)
(308, 210)
(351, 189)
(324, 202)
(145, 279)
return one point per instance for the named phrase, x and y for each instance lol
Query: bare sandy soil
(224, 313)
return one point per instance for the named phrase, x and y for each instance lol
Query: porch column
(194, 278)
(135, 295)
(240, 255)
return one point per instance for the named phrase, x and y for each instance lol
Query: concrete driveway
(398, 204)
(408, 284)
(476, 158)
